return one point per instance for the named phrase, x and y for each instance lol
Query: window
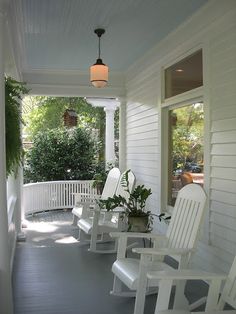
(185, 155)
(184, 75)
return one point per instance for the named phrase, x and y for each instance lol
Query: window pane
(184, 75)
(185, 148)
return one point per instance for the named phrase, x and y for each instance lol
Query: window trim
(165, 148)
(200, 94)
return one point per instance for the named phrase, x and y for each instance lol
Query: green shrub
(61, 154)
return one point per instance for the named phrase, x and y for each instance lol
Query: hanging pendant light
(99, 70)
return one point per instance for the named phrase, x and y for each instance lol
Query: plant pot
(138, 223)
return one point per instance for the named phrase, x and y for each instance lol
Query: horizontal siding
(219, 207)
(223, 173)
(226, 161)
(221, 113)
(223, 125)
(224, 137)
(223, 197)
(144, 135)
(223, 185)
(142, 152)
(222, 216)
(216, 220)
(143, 157)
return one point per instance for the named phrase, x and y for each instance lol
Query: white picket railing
(54, 194)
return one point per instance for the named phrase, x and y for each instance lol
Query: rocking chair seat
(104, 226)
(77, 211)
(127, 270)
(86, 224)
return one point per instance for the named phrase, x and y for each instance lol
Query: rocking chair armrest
(185, 274)
(89, 200)
(118, 209)
(162, 251)
(137, 235)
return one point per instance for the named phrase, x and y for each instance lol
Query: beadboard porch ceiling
(54, 41)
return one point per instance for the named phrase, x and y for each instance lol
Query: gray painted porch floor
(54, 274)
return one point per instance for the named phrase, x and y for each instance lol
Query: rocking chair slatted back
(111, 183)
(187, 215)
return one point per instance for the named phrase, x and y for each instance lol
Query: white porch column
(109, 106)
(122, 136)
(110, 136)
(5, 273)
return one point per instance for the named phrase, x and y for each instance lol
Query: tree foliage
(46, 113)
(187, 135)
(61, 154)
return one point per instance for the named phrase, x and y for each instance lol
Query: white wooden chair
(104, 222)
(84, 201)
(214, 304)
(179, 243)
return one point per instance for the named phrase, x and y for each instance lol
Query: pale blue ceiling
(58, 34)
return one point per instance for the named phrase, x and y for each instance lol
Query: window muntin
(186, 159)
(184, 75)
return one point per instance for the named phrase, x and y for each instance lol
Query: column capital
(103, 102)
(110, 108)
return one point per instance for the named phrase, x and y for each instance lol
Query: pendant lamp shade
(99, 70)
(99, 74)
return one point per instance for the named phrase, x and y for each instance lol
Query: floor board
(54, 275)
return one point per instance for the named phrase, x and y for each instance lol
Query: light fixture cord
(99, 47)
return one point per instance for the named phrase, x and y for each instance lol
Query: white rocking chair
(104, 222)
(84, 201)
(179, 243)
(214, 304)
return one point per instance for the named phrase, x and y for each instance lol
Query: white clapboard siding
(229, 210)
(142, 153)
(225, 245)
(221, 125)
(143, 163)
(224, 137)
(223, 185)
(217, 35)
(143, 157)
(223, 173)
(216, 218)
(227, 161)
(140, 136)
(224, 197)
(221, 113)
(228, 234)
(223, 140)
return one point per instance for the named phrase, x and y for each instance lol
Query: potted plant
(139, 219)
(14, 91)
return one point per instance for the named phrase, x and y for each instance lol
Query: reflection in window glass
(184, 75)
(186, 127)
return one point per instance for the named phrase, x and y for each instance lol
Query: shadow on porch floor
(54, 274)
